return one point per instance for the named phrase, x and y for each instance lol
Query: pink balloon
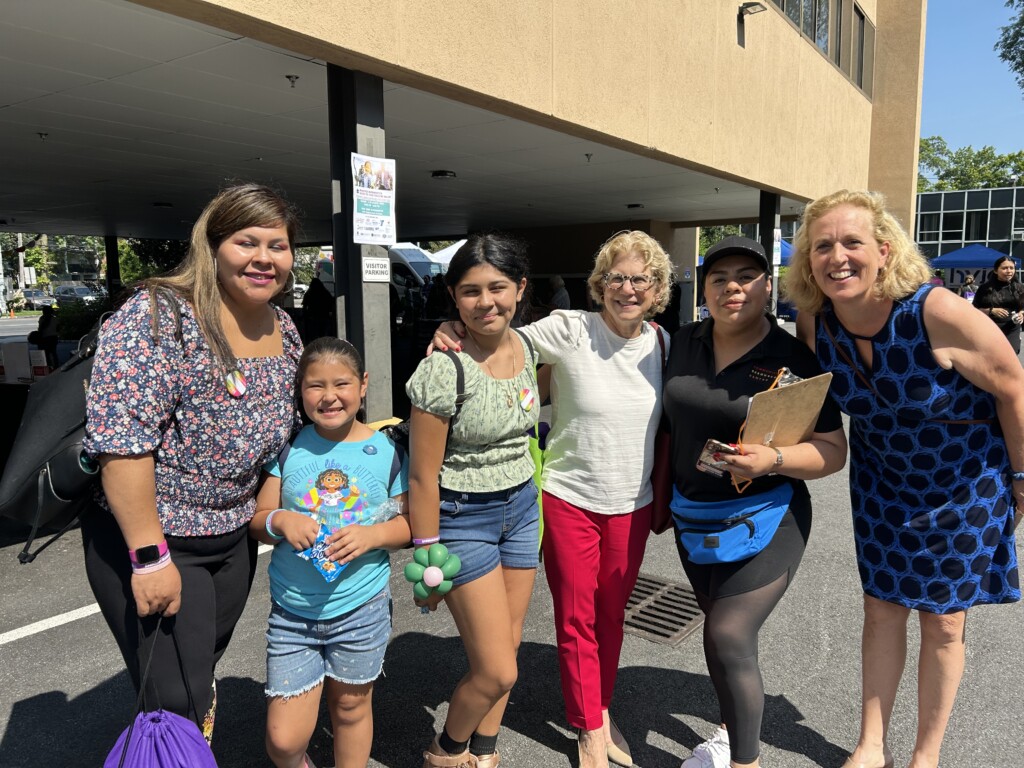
(433, 576)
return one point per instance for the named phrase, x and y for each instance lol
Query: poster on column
(373, 200)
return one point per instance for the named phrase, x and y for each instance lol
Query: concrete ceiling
(116, 119)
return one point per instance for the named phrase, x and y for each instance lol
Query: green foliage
(42, 260)
(1010, 45)
(159, 256)
(940, 168)
(305, 264)
(76, 318)
(711, 235)
(132, 268)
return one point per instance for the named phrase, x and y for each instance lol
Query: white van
(410, 266)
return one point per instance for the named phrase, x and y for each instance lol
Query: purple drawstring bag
(160, 739)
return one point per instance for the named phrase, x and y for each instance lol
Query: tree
(1010, 46)
(940, 168)
(711, 235)
(159, 256)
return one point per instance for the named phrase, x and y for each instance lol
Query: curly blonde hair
(654, 257)
(906, 269)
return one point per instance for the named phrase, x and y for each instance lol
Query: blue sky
(970, 97)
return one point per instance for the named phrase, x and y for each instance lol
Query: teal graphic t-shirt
(333, 481)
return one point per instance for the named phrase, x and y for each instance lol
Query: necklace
(509, 400)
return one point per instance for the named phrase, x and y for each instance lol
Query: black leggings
(736, 599)
(216, 573)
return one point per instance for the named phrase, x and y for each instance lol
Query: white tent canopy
(445, 254)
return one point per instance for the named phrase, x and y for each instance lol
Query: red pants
(591, 562)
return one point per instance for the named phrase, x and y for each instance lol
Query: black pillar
(114, 284)
(355, 110)
(769, 221)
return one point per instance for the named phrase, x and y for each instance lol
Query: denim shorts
(349, 648)
(485, 529)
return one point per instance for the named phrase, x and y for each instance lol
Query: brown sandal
(492, 760)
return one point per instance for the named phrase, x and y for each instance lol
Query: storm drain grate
(662, 611)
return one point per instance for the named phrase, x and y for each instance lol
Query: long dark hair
(504, 253)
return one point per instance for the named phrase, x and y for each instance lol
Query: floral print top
(167, 398)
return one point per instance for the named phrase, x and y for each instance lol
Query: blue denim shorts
(349, 648)
(485, 529)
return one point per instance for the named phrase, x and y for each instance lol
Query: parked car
(37, 299)
(70, 293)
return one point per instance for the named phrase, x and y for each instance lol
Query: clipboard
(786, 415)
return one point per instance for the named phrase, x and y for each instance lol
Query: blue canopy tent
(975, 256)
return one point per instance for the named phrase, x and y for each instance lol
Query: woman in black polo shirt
(1001, 297)
(713, 369)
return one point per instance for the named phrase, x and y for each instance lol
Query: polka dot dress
(932, 507)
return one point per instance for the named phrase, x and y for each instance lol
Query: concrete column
(684, 249)
(355, 106)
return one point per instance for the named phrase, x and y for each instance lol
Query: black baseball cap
(734, 245)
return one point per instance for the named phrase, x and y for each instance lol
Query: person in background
(935, 397)
(716, 366)
(1001, 297)
(192, 392)
(560, 297)
(471, 488)
(46, 339)
(967, 289)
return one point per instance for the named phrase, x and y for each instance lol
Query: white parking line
(66, 618)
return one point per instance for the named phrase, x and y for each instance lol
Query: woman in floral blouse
(191, 392)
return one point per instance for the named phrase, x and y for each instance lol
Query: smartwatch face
(147, 555)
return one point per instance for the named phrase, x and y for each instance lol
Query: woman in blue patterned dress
(191, 393)
(935, 397)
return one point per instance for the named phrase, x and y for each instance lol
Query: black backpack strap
(461, 395)
(528, 344)
(26, 556)
(283, 456)
(397, 459)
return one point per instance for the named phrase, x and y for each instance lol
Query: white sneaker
(713, 753)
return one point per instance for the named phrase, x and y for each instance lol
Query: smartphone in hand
(707, 461)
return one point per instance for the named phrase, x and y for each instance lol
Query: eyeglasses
(640, 282)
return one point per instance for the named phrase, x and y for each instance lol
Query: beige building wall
(662, 78)
(896, 118)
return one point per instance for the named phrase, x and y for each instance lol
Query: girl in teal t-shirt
(320, 505)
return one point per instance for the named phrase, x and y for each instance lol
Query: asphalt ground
(65, 697)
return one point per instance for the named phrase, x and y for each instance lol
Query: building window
(928, 228)
(953, 201)
(977, 226)
(840, 30)
(1002, 198)
(999, 225)
(953, 225)
(977, 199)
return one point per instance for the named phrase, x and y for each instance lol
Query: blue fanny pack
(731, 530)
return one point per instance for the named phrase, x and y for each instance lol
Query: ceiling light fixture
(159, 204)
(749, 9)
(634, 205)
(291, 79)
(442, 174)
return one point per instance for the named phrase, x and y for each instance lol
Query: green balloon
(421, 590)
(437, 554)
(443, 588)
(451, 566)
(421, 557)
(414, 572)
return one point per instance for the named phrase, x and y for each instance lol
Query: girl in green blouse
(471, 486)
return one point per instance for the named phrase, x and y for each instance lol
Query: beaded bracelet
(426, 541)
(1017, 476)
(163, 562)
(270, 530)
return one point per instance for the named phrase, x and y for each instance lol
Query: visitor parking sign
(376, 269)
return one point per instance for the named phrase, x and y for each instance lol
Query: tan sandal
(492, 760)
(461, 760)
(618, 749)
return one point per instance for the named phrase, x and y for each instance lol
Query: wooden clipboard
(786, 415)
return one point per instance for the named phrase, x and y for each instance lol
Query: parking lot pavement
(65, 697)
